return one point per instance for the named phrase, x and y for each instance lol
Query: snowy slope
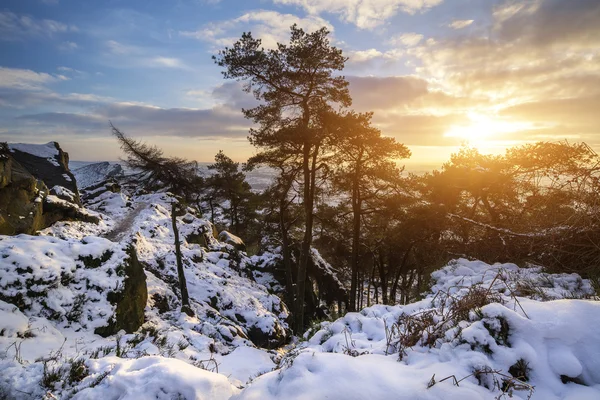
(491, 330)
(93, 173)
(45, 277)
(471, 328)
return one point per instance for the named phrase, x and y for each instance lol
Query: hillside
(91, 310)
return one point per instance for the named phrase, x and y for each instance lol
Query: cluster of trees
(339, 187)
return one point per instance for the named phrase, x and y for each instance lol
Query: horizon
(436, 73)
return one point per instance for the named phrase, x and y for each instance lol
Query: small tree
(154, 171)
(229, 183)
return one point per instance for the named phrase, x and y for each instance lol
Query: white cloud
(68, 46)
(270, 26)
(410, 39)
(17, 27)
(460, 23)
(366, 14)
(25, 79)
(168, 62)
(120, 49)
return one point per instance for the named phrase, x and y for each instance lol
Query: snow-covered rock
(92, 174)
(47, 162)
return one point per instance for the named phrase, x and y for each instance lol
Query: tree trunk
(185, 300)
(285, 249)
(356, 214)
(400, 270)
(212, 211)
(307, 240)
(234, 218)
(383, 277)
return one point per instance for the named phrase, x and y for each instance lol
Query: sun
(483, 129)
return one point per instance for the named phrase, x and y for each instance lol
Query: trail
(124, 226)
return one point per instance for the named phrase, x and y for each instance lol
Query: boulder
(230, 238)
(21, 199)
(26, 204)
(130, 302)
(47, 162)
(277, 337)
(56, 209)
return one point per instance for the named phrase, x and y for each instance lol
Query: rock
(26, 204)
(92, 192)
(47, 162)
(233, 240)
(5, 165)
(274, 339)
(92, 174)
(56, 209)
(21, 199)
(130, 302)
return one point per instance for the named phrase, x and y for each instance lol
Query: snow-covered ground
(465, 340)
(481, 332)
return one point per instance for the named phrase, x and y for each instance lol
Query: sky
(436, 73)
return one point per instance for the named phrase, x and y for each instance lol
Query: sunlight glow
(484, 128)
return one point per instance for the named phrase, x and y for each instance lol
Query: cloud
(270, 26)
(385, 93)
(533, 50)
(18, 27)
(230, 94)
(460, 23)
(68, 46)
(118, 48)
(550, 23)
(80, 114)
(168, 62)
(410, 39)
(139, 57)
(26, 79)
(144, 120)
(365, 14)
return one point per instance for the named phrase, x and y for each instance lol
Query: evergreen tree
(296, 84)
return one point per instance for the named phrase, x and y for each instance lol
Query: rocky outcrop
(21, 198)
(92, 174)
(130, 302)
(26, 203)
(91, 193)
(47, 162)
(56, 209)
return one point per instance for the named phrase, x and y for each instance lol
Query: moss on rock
(130, 302)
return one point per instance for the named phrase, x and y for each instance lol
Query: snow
(91, 174)
(47, 151)
(244, 364)
(154, 378)
(336, 376)
(547, 323)
(555, 339)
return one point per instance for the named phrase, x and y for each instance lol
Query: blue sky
(435, 72)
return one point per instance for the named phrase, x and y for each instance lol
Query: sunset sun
(483, 129)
